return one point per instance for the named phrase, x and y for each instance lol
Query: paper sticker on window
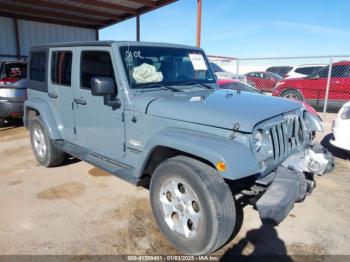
(198, 61)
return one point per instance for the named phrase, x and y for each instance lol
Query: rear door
(255, 78)
(314, 87)
(60, 90)
(268, 82)
(100, 128)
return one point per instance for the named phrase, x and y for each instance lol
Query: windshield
(146, 66)
(280, 70)
(276, 76)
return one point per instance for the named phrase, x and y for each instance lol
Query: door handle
(52, 94)
(80, 101)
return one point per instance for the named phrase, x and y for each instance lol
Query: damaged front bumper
(291, 182)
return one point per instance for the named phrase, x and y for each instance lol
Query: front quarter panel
(238, 157)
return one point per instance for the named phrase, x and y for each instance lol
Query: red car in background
(234, 84)
(313, 87)
(237, 85)
(264, 81)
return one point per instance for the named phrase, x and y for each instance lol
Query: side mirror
(105, 86)
(102, 86)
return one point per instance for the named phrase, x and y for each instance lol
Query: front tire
(43, 149)
(292, 95)
(192, 205)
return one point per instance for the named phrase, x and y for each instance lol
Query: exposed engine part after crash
(315, 159)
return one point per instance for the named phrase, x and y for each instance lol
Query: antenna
(133, 119)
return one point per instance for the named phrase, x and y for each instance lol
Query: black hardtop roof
(12, 61)
(109, 43)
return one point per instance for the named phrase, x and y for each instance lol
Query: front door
(314, 87)
(60, 90)
(340, 84)
(99, 127)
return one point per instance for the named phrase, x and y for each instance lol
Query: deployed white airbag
(146, 73)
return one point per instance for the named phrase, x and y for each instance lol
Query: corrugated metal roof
(94, 14)
(36, 33)
(111, 42)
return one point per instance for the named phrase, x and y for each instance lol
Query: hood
(221, 108)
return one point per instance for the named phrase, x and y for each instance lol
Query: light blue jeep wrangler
(152, 114)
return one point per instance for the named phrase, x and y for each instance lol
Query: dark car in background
(279, 70)
(13, 89)
(264, 81)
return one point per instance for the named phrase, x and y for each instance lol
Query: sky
(248, 28)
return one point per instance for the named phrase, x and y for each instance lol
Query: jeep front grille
(287, 135)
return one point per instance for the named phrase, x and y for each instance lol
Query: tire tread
(55, 157)
(220, 192)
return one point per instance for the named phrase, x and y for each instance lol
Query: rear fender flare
(46, 116)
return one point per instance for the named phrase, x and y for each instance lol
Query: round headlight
(257, 140)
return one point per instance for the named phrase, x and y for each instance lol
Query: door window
(265, 76)
(253, 74)
(307, 70)
(61, 67)
(323, 72)
(95, 63)
(340, 71)
(337, 71)
(37, 66)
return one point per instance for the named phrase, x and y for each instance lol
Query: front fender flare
(239, 159)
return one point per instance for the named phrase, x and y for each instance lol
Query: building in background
(37, 22)
(36, 33)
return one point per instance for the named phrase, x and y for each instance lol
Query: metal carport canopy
(94, 14)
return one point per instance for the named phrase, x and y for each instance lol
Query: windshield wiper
(198, 84)
(153, 87)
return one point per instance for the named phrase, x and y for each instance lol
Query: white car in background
(223, 74)
(341, 128)
(303, 70)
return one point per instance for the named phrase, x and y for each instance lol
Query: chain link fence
(321, 81)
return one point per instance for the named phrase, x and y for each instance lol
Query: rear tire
(292, 95)
(2, 122)
(192, 205)
(43, 149)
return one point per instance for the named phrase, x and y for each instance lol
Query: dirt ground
(77, 209)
